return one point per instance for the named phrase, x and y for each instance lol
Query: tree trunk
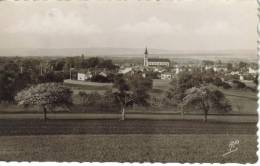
(182, 113)
(123, 113)
(82, 101)
(205, 115)
(45, 113)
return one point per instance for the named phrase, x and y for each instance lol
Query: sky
(166, 24)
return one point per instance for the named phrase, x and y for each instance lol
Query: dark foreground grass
(128, 148)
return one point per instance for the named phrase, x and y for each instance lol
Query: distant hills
(250, 55)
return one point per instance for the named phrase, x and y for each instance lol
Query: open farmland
(128, 148)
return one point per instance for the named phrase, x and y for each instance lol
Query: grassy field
(14, 127)
(123, 148)
(87, 87)
(161, 84)
(242, 101)
(243, 105)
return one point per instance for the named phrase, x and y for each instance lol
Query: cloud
(152, 26)
(217, 28)
(54, 21)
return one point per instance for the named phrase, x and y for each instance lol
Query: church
(155, 61)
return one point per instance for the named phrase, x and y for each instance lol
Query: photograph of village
(152, 81)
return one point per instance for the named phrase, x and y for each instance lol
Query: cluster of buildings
(246, 73)
(167, 71)
(85, 75)
(158, 65)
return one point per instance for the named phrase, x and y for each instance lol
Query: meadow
(129, 148)
(87, 86)
(242, 101)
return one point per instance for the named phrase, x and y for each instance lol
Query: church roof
(158, 60)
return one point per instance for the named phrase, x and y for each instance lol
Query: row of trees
(10, 84)
(16, 73)
(188, 89)
(125, 92)
(80, 62)
(38, 65)
(13, 80)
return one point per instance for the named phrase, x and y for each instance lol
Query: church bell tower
(146, 57)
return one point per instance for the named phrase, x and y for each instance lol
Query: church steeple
(146, 51)
(146, 57)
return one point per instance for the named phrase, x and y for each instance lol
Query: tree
(140, 87)
(238, 84)
(207, 62)
(7, 86)
(173, 96)
(107, 64)
(242, 65)
(47, 96)
(256, 79)
(186, 80)
(226, 85)
(219, 62)
(83, 95)
(152, 75)
(179, 85)
(58, 64)
(93, 62)
(11, 66)
(11, 83)
(207, 98)
(218, 82)
(132, 90)
(229, 66)
(51, 77)
(122, 93)
(99, 78)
